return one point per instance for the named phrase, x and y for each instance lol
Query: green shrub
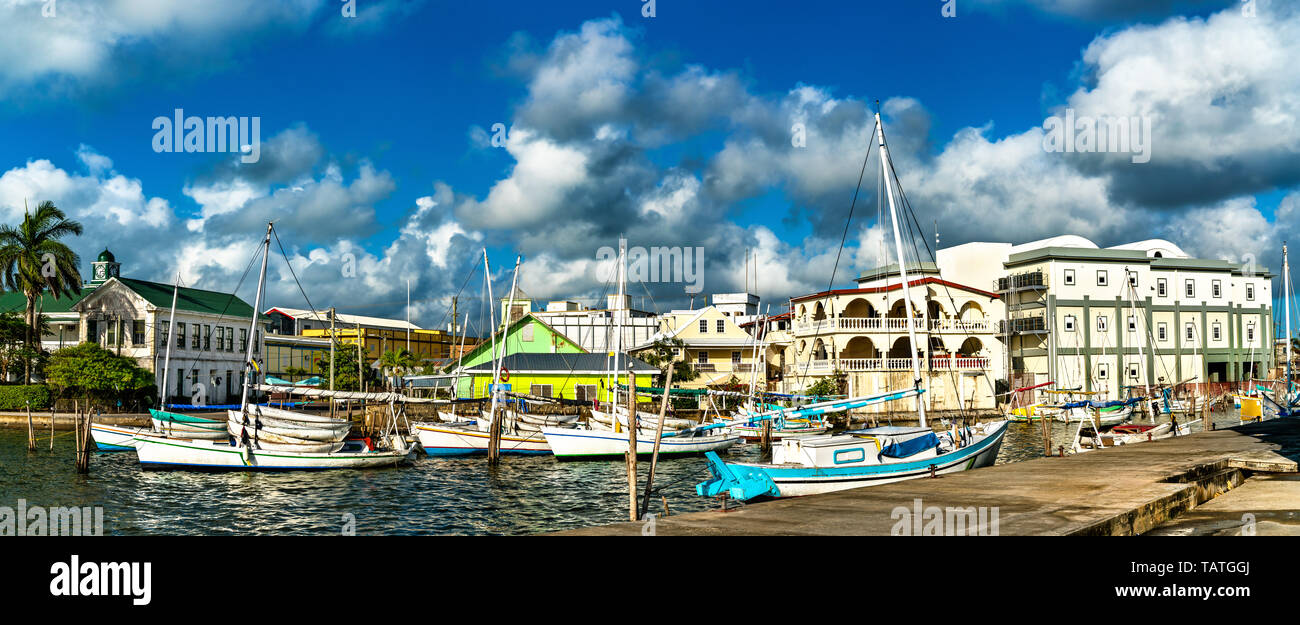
(15, 397)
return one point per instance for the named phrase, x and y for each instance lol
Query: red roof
(895, 287)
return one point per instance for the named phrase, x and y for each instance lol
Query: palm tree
(397, 362)
(33, 259)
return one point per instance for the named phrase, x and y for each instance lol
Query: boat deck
(1124, 490)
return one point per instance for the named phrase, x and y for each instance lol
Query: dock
(1125, 490)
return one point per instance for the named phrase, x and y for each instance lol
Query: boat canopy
(909, 447)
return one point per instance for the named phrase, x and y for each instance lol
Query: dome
(106, 257)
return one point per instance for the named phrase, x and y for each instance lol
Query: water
(430, 496)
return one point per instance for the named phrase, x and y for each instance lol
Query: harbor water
(523, 495)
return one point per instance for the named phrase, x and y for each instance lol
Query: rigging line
(473, 267)
(843, 236)
(257, 253)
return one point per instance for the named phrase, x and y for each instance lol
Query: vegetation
(16, 397)
(345, 371)
(33, 260)
(88, 371)
(15, 356)
(662, 354)
(837, 383)
(397, 363)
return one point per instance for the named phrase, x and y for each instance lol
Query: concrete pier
(65, 420)
(1124, 490)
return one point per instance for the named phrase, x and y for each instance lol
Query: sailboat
(1284, 402)
(268, 439)
(597, 441)
(824, 463)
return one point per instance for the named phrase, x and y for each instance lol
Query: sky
(398, 139)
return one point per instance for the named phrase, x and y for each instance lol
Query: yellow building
(715, 346)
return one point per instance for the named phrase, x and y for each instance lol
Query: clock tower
(105, 267)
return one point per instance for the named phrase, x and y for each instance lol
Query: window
(221, 337)
(1216, 288)
(180, 382)
(1102, 322)
(1133, 278)
(722, 326)
(704, 326)
(1133, 371)
(196, 341)
(257, 342)
(540, 390)
(1218, 331)
(1162, 331)
(243, 338)
(1069, 323)
(1250, 292)
(1103, 371)
(92, 331)
(735, 358)
(1132, 323)
(230, 383)
(207, 338)
(1190, 288)
(585, 392)
(112, 333)
(1191, 332)
(180, 336)
(1250, 333)
(1162, 287)
(137, 332)
(194, 379)
(703, 358)
(1102, 278)
(1069, 276)
(162, 336)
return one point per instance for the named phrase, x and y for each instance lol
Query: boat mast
(252, 323)
(1286, 303)
(505, 325)
(171, 335)
(1132, 307)
(492, 318)
(902, 272)
(618, 332)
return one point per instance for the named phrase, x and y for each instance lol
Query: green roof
(193, 300)
(106, 256)
(15, 301)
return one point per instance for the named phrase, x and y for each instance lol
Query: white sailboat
(269, 439)
(819, 464)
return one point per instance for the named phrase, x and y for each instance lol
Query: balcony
(892, 325)
(1023, 325)
(856, 365)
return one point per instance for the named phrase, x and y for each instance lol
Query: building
(1072, 318)
(594, 330)
(131, 317)
(377, 334)
(526, 335)
(715, 345)
(576, 376)
(864, 332)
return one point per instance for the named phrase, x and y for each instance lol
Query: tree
(93, 373)
(837, 383)
(345, 370)
(662, 353)
(396, 363)
(33, 260)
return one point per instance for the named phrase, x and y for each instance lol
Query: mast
(492, 316)
(1286, 303)
(902, 271)
(252, 323)
(1132, 307)
(618, 333)
(171, 336)
(505, 325)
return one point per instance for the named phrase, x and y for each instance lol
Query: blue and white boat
(819, 464)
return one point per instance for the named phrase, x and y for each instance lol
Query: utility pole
(408, 314)
(361, 384)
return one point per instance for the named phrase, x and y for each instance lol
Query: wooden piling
(51, 426)
(654, 455)
(31, 430)
(1047, 435)
(494, 436)
(631, 443)
(765, 438)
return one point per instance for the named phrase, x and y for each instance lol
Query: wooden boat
(466, 439)
(117, 437)
(592, 444)
(157, 452)
(754, 432)
(645, 420)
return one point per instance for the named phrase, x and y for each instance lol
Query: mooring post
(494, 436)
(51, 426)
(654, 456)
(765, 440)
(631, 442)
(31, 431)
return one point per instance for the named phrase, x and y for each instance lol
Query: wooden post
(494, 436)
(51, 426)
(654, 456)
(31, 430)
(631, 442)
(765, 438)
(76, 429)
(1047, 435)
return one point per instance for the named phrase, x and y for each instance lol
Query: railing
(1023, 324)
(936, 363)
(893, 324)
(1031, 279)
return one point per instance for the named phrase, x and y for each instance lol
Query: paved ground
(1125, 490)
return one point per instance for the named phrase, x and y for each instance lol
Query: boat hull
(114, 437)
(798, 480)
(222, 456)
(579, 444)
(443, 440)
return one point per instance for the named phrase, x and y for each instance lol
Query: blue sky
(671, 129)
